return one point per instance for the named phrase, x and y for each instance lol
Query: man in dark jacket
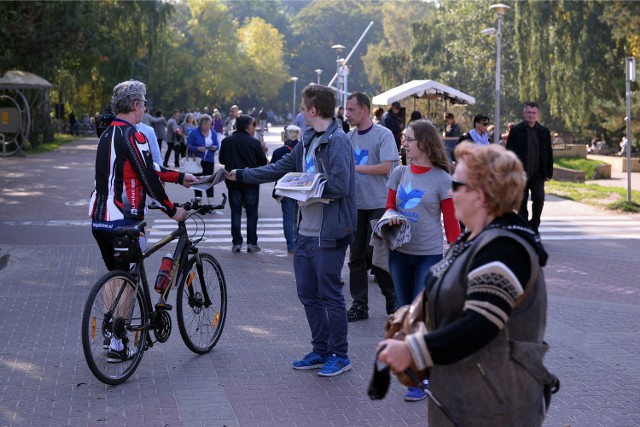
(532, 144)
(241, 150)
(392, 121)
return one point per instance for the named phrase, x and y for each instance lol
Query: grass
(576, 163)
(610, 198)
(58, 140)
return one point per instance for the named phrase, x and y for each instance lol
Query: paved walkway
(593, 328)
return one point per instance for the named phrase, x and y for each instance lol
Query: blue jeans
(320, 291)
(409, 273)
(249, 198)
(289, 208)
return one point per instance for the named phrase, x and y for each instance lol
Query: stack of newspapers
(306, 188)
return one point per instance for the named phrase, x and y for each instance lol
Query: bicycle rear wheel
(202, 304)
(114, 308)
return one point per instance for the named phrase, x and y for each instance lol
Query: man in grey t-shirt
(375, 155)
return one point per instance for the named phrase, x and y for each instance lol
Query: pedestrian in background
(241, 150)
(173, 142)
(478, 134)
(532, 144)
(452, 129)
(290, 137)
(160, 129)
(203, 143)
(375, 155)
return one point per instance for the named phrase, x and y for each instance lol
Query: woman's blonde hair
(204, 118)
(497, 172)
(430, 142)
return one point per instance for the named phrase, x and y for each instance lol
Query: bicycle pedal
(165, 307)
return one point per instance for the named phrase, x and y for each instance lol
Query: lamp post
(318, 72)
(338, 48)
(293, 115)
(630, 77)
(499, 9)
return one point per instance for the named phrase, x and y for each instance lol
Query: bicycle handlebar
(194, 205)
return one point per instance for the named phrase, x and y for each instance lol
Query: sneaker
(115, 356)
(311, 361)
(415, 394)
(357, 312)
(236, 248)
(335, 366)
(392, 305)
(253, 248)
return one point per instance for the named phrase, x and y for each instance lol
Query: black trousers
(360, 261)
(535, 186)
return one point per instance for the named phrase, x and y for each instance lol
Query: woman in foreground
(487, 304)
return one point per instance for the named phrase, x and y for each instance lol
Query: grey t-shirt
(172, 127)
(418, 199)
(374, 146)
(311, 215)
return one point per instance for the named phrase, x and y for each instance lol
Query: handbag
(191, 165)
(408, 320)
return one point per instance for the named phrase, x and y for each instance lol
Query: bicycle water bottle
(162, 281)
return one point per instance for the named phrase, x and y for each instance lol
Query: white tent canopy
(15, 79)
(426, 89)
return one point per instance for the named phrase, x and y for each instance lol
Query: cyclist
(125, 175)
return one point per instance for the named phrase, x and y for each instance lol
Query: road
(593, 322)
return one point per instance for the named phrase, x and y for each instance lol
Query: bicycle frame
(180, 257)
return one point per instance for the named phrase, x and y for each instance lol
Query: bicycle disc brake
(163, 326)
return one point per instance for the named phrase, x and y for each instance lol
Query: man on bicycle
(125, 175)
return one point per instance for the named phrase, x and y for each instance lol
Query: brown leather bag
(407, 320)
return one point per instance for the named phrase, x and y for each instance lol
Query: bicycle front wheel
(202, 304)
(114, 309)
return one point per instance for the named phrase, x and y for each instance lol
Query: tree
(262, 48)
(323, 24)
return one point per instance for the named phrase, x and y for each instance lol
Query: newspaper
(206, 182)
(304, 187)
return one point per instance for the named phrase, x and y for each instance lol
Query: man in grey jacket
(323, 231)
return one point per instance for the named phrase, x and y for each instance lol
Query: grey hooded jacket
(334, 157)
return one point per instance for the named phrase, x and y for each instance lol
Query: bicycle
(119, 305)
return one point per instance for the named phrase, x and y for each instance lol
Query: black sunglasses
(144, 101)
(484, 123)
(455, 185)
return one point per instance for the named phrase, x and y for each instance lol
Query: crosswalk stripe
(218, 230)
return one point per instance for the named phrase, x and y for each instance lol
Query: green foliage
(567, 55)
(624, 206)
(580, 164)
(613, 198)
(323, 24)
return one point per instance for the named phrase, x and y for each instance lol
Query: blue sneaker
(414, 394)
(310, 361)
(335, 366)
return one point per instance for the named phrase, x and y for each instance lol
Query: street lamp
(338, 48)
(318, 72)
(293, 115)
(499, 9)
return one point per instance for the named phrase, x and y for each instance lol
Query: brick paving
(594, 319)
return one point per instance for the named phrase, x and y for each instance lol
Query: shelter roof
(15, 79)
(427, 89)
